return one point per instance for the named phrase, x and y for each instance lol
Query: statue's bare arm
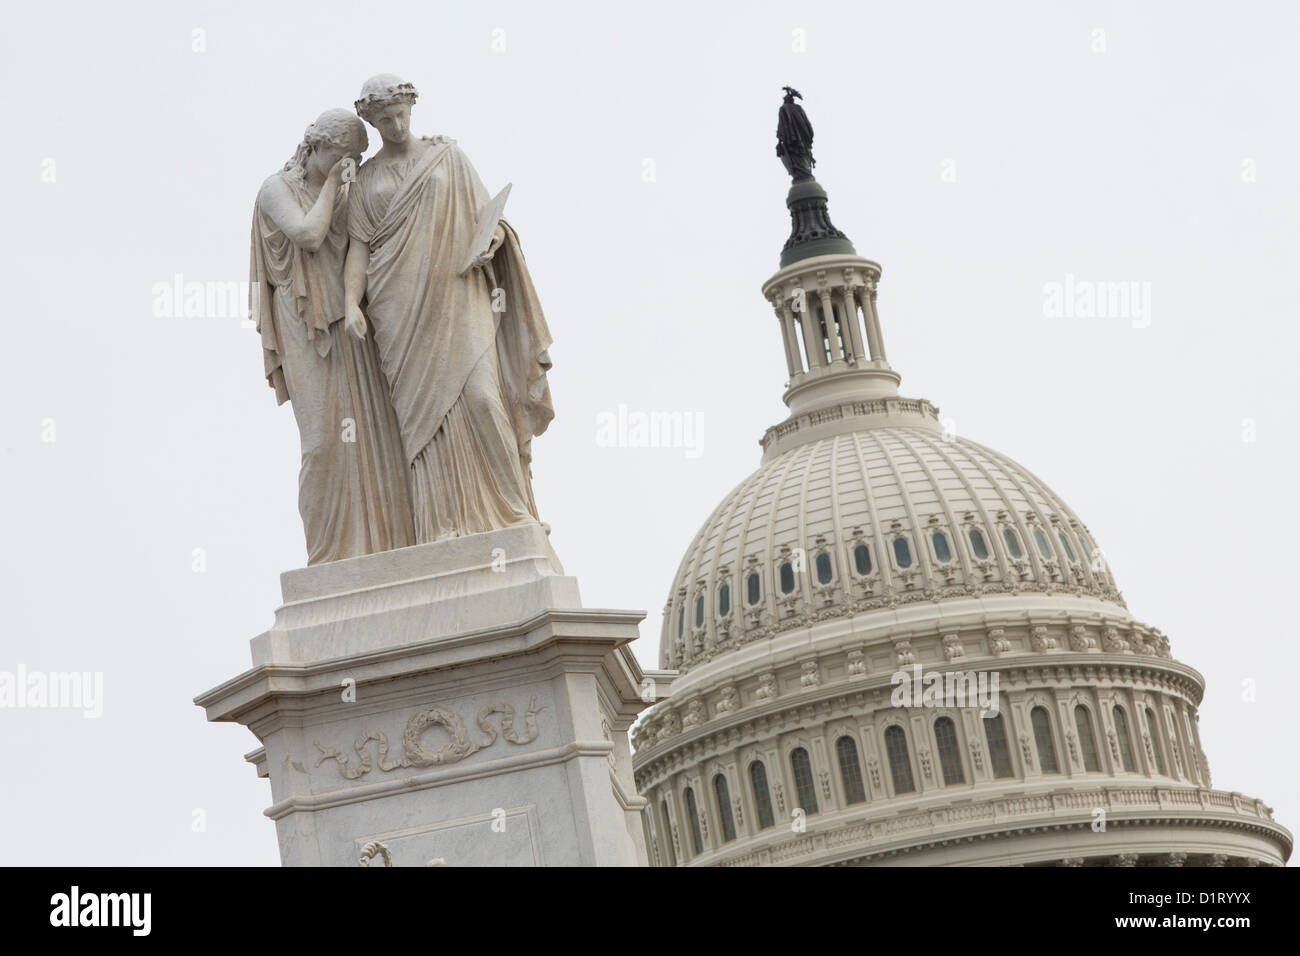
(305, 230)
(354, 285)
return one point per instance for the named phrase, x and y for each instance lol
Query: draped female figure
(352, 486)
(464, 353)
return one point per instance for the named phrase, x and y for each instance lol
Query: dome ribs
(1004, 569)
(889, 481)
(909, 509)
(805, 579)
(882, 563)
(954, 527)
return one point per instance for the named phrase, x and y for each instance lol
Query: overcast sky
(978, 152)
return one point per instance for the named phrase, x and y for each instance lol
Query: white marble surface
(491, 711)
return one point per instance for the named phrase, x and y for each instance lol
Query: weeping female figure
(352, 487)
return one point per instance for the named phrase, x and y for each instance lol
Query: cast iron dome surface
(870, 488)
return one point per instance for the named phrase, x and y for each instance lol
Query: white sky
(1119, 166)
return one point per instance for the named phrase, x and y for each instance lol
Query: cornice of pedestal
(554, 640)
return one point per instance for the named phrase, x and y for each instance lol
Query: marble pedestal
(449, 702)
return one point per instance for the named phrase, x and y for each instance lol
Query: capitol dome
(892, 645)
(878, 517)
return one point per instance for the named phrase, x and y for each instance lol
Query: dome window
(995, 732)
(693, 811)
(824, 571)
(978, 546)
(1087, 743)
(1013, 543)
(723, 794)
(1065, 543)
(1083, 546)
(753, 588)
(762, 798)
(945, 735)
(699, 611)
(1155, 741)
(1043, 742)
(724, 599)
(787, 578)
(862, 559)
(900, 763)
(1044, 548)
(667, 835)
(902, 553)
(855, 791)
(681, 620)
(801, 767)
(942, 553)
(1124, 741)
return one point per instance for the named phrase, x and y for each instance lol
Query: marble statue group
(415, 361)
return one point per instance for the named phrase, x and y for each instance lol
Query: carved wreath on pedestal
(415, 754)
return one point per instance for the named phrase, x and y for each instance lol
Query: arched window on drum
(900, 761)
(723, 795)
(1087, 741)
(846, 750)
(762, 796)
(697, 841)
(801, 767)
(1043, 743)
(667, 837)
(945, 736)
(1123, 740)
(995, 732)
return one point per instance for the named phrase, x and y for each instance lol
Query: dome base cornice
(841, 414)
(1021, 616)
